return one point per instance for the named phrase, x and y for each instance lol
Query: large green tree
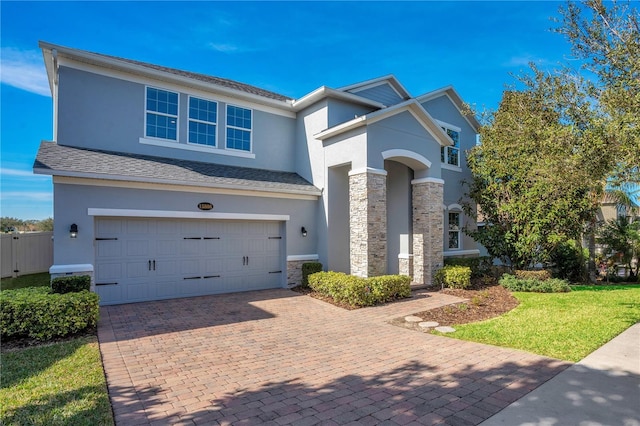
(535, 173)
(606, 37)
(549, 150)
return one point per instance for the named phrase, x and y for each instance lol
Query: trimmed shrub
(390, 287)
(36, 313)
(71, 284)
(552, 285)
(570, 262)
(308, 269)
(454, 277)
(540, 275)
(356, 291)
(480, 266)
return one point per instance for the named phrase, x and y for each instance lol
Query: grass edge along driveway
(57, 384)
(566, 326)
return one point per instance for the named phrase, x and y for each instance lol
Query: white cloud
(524, 61)
(224, 48)
(20, 173)
(26, 195)
(24, 69)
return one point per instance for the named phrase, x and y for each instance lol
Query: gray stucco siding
(402, 131)
(382, 93)
(101, 112)
(71, 204)
(339, 112)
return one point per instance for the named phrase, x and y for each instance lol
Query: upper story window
(161, 114)
(454, 230)
(203, 117)
(451, 154)
(239, 123)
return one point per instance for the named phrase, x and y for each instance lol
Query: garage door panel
(138, 248)
(232, 255)
(137, 269)
(166, 267)
(108, 272)
(108, 227)
(165, 247)
(212, 266)
(138, 226)
(108, 248)
(190, 247)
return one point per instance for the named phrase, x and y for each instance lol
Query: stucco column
(428, 228)
(368, 222)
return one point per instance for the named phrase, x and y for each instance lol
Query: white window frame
(458, 231)
(147, 111)
(228, 126)
(189, 120)
(444, 163)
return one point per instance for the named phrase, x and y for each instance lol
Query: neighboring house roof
(59, 160)
(135, 66)
(458, 102)
(411, 105)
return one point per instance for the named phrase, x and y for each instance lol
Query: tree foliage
(10, 224)
(548, 152)
(607, 38)
(534, 170)
(621, 239)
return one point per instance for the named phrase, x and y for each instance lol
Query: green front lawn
(33, 280)
(566, 326)
(58, 384)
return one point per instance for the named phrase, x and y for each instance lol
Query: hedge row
(540, 275)
(552, 285)
(454, 277)
(37, 313)
(71, 284)
(356, 291)
(309, 268)
(480, 266)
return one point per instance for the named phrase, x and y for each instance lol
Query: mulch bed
(485, 299)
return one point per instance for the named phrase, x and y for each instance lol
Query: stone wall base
(294, 272)
(405, 266)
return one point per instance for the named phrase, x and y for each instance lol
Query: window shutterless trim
(229, 126)
(147, 111)
(196, 120)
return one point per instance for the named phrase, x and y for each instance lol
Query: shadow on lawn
(59, 409)
(415, 391)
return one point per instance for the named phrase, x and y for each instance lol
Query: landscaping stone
(428, 324)
(412, 318)
(445, 329)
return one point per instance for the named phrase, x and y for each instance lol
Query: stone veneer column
(368, 222)
(428, 228)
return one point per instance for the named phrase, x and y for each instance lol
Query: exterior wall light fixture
(303, 230)
(73, 231)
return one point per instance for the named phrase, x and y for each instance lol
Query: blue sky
(291, 48)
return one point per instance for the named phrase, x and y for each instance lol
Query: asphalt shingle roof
(65, 160)
(231, 84)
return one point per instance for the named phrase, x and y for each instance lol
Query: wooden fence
(23, 254)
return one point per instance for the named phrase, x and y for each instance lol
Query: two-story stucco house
(179, 184)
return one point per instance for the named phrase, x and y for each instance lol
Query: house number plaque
(205, 206)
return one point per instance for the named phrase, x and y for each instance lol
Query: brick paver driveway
(277, 357)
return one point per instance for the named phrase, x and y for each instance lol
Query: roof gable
(411, 105)
(52, 52)
(386, 90)
(456, 99)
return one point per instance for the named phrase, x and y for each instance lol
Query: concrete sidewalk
(602, 389)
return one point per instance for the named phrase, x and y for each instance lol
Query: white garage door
(150, 259)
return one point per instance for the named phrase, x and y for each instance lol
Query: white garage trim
(302, 257)
(184, 215)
